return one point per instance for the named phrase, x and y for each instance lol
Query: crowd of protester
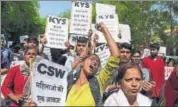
(127, 79)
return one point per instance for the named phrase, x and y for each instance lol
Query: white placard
(146, 53)
(124, 33)
(74, 38)
(168, 71)
(9, 43)
(81, 17)
(111, 21)
(103, 52)
(22, 38)
(105, 8)
(49, 83)
(56, 32)
(162, 51)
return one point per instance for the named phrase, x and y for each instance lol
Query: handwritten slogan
(81, 17)
(109, 18)
(56, 32)
(103, 52)
(49, 83)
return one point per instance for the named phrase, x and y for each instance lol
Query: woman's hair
(33, 39)
(171, 59)
(28, 48)
(124, 68)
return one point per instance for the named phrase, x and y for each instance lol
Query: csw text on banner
(49, 83)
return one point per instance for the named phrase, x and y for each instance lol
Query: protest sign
(74, 38)
(162, 51)
(124, 33)
(168, 71)
(9, 43)
(105, 8)
(56, 32)
(146, 53)
(81, 17)
(49, 83)
(22, 38)
(111, 21)
(103, 52)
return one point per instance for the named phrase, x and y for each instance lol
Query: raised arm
(112, 63)
(111, 43)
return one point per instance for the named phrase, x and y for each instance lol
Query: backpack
(94, 86)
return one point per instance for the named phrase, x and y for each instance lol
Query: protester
(83, 49)
(6, 58)
(156, 65)
(16, 85)
(148, 83)
(130, 80)
(87, 90)
(125, 57)
(169, 94)
(171, 62)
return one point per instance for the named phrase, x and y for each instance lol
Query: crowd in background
(127, 79)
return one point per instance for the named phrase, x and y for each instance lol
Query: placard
(56, 32)
(124, 33)
(105, 8)
(167, 72)
(162, 51)
(103, 52)
(81, 17)
(49, 83)
(22, 38)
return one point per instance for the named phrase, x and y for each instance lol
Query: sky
(53, 7)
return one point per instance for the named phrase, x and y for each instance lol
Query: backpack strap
(95, 90)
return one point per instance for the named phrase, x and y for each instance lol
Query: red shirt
(157, 69)
(171, 90)
(14, 83)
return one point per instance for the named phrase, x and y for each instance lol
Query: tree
(21, 18)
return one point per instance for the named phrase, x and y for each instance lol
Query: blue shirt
(6, 58)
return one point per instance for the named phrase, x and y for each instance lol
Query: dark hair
(171, 59)
(82, 40)
(136, 52)
(26, 39)
(33, 39)
(125, 45)
(155, 45)
(124, 68)
(28, 48)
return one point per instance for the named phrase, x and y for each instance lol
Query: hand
(85, 53)
(148, 86)
(90, 32)
(16, 98)
(112, 87)
(102, 27)
(30, 103)
(67, 44)
(94, 40)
